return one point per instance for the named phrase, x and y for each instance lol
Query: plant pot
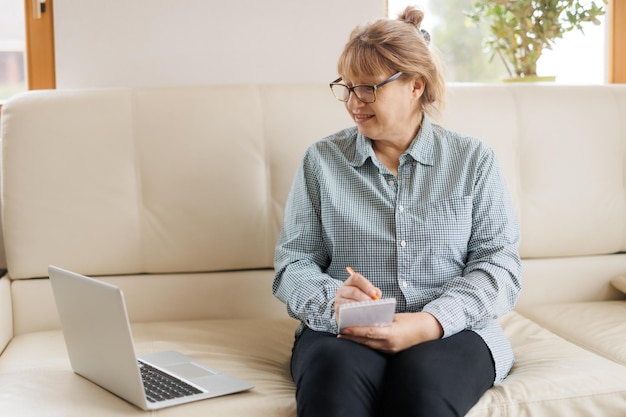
(530, 79)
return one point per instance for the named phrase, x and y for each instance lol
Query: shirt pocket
(444, 228)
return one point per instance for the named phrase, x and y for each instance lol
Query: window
(12, 47)
(576, 58)
(26, 47)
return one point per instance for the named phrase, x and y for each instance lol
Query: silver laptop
(100, 346)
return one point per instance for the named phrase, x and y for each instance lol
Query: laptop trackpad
(189, 371)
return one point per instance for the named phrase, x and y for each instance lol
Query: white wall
(138, 43)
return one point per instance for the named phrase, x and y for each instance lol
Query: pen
(351, 272)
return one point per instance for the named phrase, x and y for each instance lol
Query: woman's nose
(353, 101)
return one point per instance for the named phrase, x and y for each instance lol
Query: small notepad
(367, 313)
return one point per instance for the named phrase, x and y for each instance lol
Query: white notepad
(367, 313)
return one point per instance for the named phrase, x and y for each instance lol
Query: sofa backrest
(124, 181)
(153, 180)
(563, 151)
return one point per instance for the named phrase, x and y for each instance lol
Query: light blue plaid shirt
(441, 237)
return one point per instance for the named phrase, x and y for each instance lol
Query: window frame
(617, 41)
(40, 64)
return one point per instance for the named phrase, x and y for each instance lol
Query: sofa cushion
(570, 279)
(553, 377)
(160, 297)
(570, 198)
(255, 350)
(599, 327)
(154, 180)
(550, 377)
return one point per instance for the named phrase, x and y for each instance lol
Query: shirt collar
(421, 149)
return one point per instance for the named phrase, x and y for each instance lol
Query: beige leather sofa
(176, 195)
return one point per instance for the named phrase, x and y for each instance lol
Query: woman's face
(395, 115)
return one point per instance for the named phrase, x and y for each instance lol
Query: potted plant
(520, 30)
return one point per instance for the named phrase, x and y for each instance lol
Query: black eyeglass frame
(352, 89)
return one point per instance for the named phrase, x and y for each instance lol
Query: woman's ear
(418, 86)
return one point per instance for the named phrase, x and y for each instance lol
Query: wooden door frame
(617, 41)
(40, 63)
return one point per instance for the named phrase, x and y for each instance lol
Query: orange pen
(351, 272)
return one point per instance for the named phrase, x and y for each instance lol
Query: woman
(422, 214)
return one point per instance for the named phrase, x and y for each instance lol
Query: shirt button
(390, 182)
(404, 284)
(403, 243)
(401, 208)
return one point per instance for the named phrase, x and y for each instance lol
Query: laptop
(100, 346)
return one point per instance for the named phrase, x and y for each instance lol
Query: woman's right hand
(355, 288)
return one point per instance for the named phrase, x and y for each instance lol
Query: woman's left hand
(407, 329)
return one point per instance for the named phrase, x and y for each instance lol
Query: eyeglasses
(365, 93)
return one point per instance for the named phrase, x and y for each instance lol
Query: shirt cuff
(449, 314)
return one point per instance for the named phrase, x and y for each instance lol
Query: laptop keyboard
(160, 386)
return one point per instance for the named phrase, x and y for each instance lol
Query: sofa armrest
(619, 283)
(6, 313)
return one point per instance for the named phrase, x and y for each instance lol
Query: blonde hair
(387, 46)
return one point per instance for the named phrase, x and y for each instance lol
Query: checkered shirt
(441, 237)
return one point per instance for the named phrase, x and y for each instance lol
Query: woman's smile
(362, 117)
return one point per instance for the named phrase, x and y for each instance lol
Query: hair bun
(412, 15)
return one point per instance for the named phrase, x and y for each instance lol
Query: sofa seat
(257, 350)
(552, 376)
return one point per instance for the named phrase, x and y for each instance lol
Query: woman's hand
(355, 288)
(407, 330)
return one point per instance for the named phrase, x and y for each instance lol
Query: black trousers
(442, 378)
